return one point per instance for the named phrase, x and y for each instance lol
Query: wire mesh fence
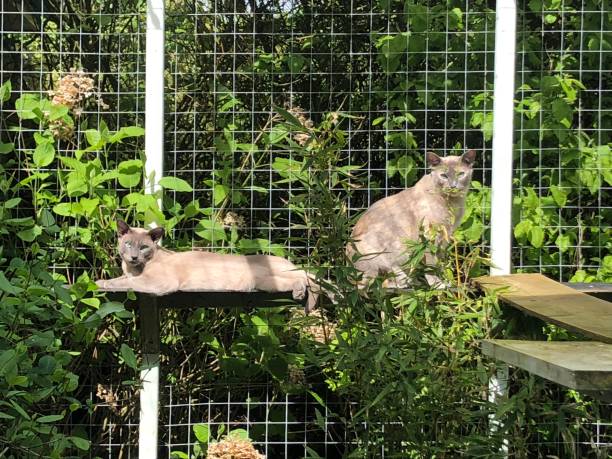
(399, 79)
(562, 139)
(228, 69)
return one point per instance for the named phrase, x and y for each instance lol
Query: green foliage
(410, 360)
(46, 328)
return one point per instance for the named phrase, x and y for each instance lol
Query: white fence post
(501, 182)
(503, 130)
(154, 95)
(154, 149)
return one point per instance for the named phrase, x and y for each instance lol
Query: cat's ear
(122, 228)
(433, 159)
(469, 157)
(156, 233)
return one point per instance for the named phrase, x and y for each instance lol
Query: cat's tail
(315, 288)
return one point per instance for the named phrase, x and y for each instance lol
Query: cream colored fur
(434, 206)
(149, 268)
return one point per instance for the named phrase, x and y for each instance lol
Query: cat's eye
(461, 174)
(144, 247)
(444, 176)
(128, 245)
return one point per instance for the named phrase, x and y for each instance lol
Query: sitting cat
(434, 205)
(149, 268)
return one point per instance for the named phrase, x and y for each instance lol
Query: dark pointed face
(452, 174)
(137, 246)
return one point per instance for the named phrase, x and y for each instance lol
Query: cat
(433, 207)
(149, 268)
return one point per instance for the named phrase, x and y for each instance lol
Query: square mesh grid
(413, 80)
(563, 137)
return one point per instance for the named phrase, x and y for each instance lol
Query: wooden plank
(207, 299)
(553, 302)
(580, 365)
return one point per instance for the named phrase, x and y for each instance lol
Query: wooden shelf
(580, 365)
(553, 302)
(207, 299)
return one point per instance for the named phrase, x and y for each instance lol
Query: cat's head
(137, 245)
(452, 174)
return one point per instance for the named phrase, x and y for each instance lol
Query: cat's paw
(101, 283)
(299, 292)
(436, 283)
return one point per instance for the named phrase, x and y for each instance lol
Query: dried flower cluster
(334, 118)
(72, 91)
(296, 375)
(301, 137)
(108, 396)
(233, 219)
(233, 448)
(322, 330)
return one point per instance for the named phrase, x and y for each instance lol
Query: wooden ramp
(553, 302)
(580, 365)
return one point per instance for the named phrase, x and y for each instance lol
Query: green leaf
(559, 195)
(25, 106)
(202, 432)
(176, 184)
(80, 443)
(8, 362)
(522, 228)
(57, 111)
(30, 234)
(7, 287)
(130, 173)
(562, 112)
(127, 353)
(563, 242)
(240, 434)
(89, 205)
(289, 118)
(536, 236)
(44, 154)
(405, 165)
(290, 169)
(6, 148)
(19, 409)
(19, 380)
(110, 308)
(93, 137)
(12, 203)
(49, 418)
(125, 132)
(219, 193)
(5, 91)
(210, 230)
(68, 209)
(47, 364)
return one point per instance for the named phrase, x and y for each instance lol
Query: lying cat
(435, 205)
(149, 268)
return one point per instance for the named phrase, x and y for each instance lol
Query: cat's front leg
(120, 282)
(138, 284)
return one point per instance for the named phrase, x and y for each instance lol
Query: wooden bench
(580, 365)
